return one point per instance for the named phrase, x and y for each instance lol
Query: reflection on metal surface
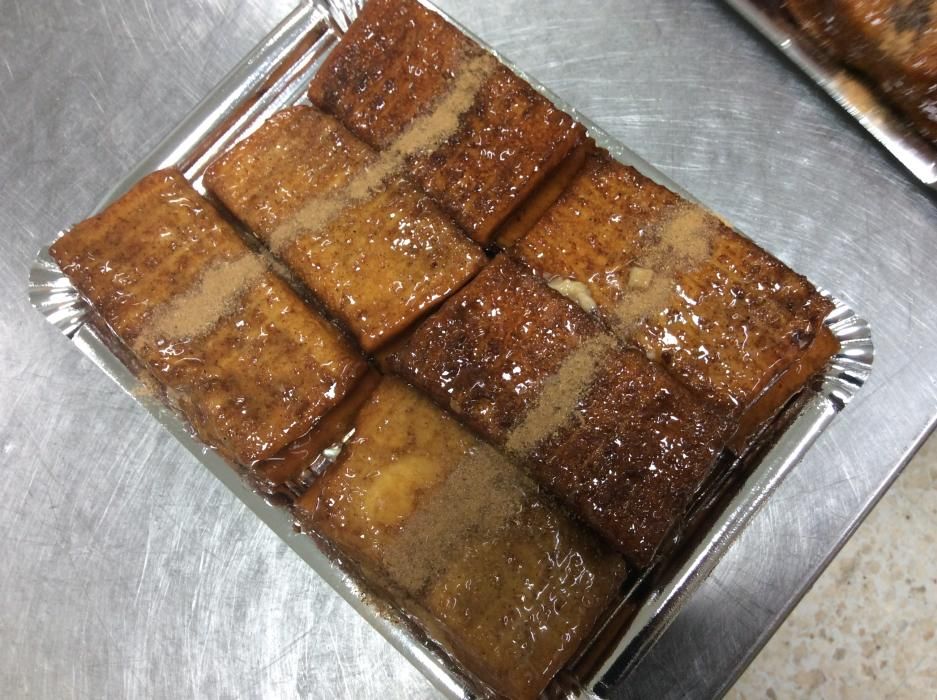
(275, 75)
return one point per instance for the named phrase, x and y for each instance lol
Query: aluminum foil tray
(275, 75)
(855, 95)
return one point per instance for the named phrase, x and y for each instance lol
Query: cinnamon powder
(198, 309)
(682, 240)
(479, 496)
(555, 405)
(424, 133)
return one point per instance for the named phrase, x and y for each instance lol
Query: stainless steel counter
(128, 570)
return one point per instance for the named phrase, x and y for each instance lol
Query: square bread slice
(476, 137)
(464, 541)
(720, 314)
(607, 431)
(250, 365)
(378, 253)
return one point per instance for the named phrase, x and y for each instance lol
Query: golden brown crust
(299, 152)
(262, 376)
(506, 144)
(288, 465)
(501, 575)
(542, 198)
(504, 324)
(604, 429)
(128, 283)
(249, 381)
(892, 42)
(395, 64)
(787, 385)
(521, 605)
(395, 59)
(718, 312)
(385, 256)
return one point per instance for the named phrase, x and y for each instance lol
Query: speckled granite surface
(868, 627)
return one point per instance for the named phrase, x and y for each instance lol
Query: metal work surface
(132, 572)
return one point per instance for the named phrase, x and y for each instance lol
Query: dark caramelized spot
(394, 61)
(603, 428)
(491, 347)
(912, 15)
(508, 138)
(504, 148)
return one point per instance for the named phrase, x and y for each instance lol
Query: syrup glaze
(603, 428)
(720, 314)
(392, 67)
(375, 250)
(252, 371)
(464, 541)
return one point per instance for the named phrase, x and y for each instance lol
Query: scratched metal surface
(129, 571)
